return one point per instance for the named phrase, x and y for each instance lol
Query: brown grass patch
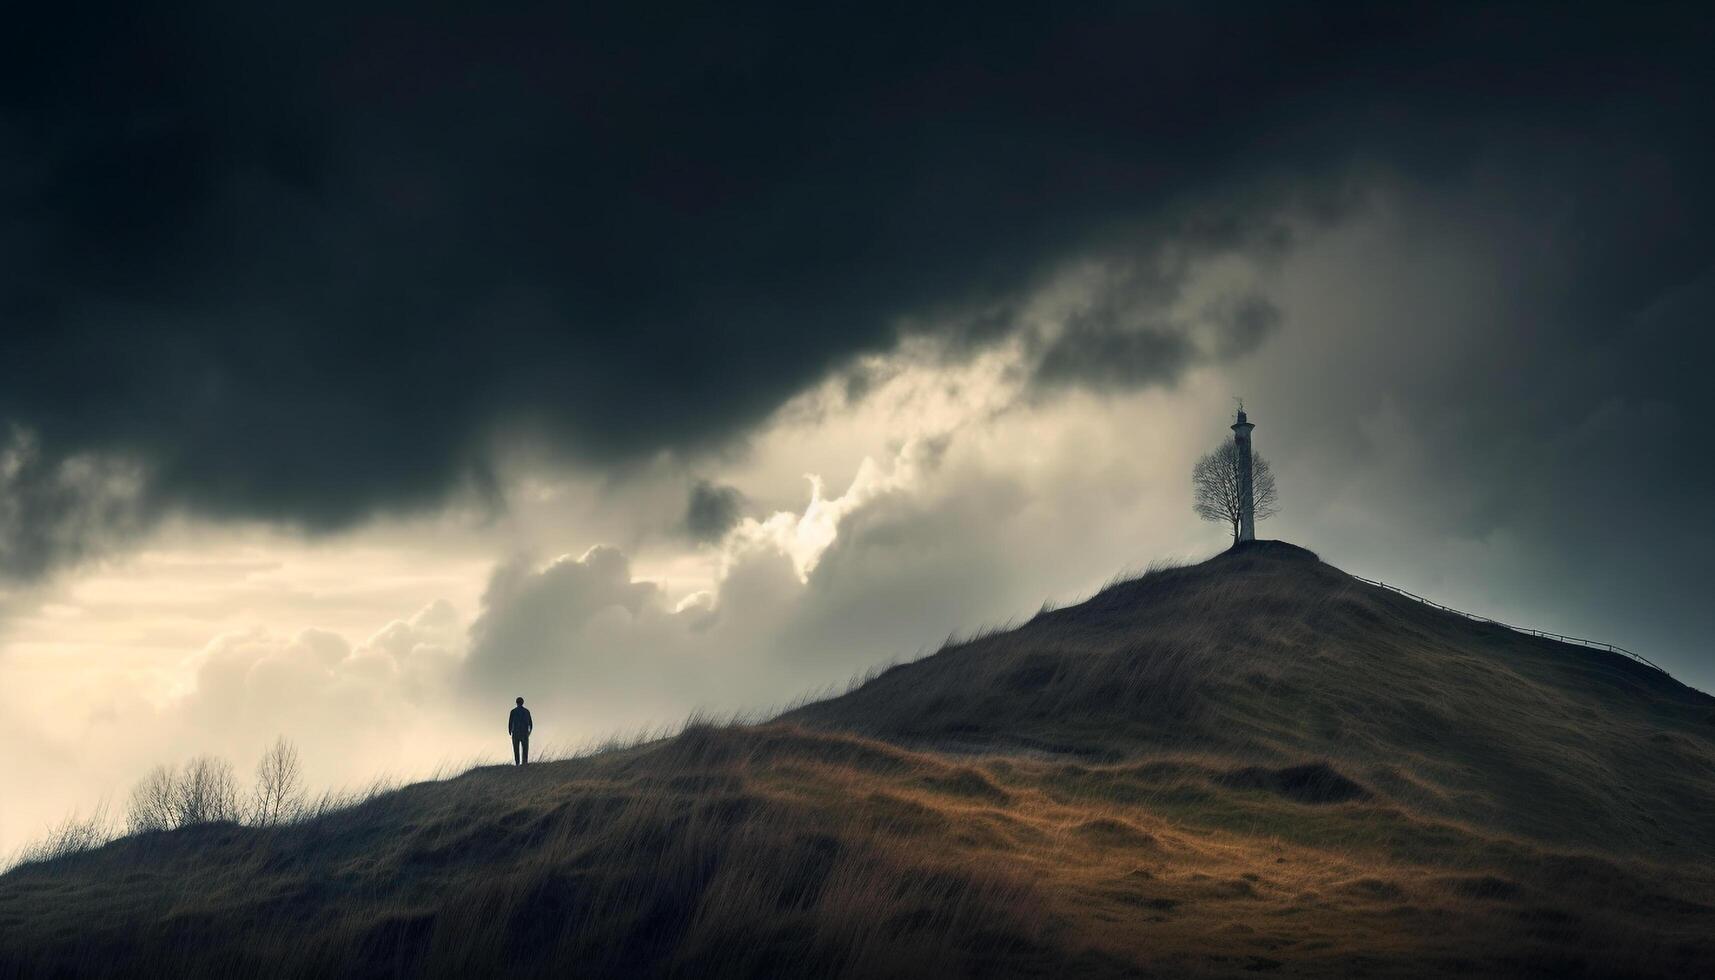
(1155, 782)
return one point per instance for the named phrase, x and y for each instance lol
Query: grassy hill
(1255, 764)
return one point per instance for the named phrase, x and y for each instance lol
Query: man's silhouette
(519, 725)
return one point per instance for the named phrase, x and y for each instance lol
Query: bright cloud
(927, 490)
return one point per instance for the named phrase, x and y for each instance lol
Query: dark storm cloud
(1114, 358)
(1242, 323)
(304, 265)
(712, 511)
(1500, 407)
(1124, 338)
(52, 511)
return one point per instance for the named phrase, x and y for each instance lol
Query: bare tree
(1215, 482)
(207, 792)
(279, 794)
(154, 802)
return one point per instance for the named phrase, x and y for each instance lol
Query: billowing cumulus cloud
(930, 315)
(309, 266)
(245, 678)
(358, 709)
(912, 548)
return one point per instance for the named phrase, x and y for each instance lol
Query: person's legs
(515, 745)
(524, 744)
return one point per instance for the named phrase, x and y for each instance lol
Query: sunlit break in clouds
(363, 371)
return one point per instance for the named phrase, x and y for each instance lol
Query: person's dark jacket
(519, 722)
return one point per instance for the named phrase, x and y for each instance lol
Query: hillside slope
(1268, 655)
(1257, 763)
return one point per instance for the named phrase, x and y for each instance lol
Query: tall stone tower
(1242, 438)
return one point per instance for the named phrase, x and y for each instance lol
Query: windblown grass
(780, 850)
(1252, 764)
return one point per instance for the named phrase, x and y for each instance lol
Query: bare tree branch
(279, 795)
(207, 792)
(1215, 487)
(153, 802)
(204, 792)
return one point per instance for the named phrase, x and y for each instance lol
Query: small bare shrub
(154, 802)
(205, 791)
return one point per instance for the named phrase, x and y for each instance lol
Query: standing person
(519, 725)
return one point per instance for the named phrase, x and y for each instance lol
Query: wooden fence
(1563, 638)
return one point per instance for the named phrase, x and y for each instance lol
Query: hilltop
(1256, 763)
(1268, 655)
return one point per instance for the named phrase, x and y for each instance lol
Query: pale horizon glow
(942, 495)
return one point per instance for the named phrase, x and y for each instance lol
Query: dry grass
(1266, 656)
(1249, 765)
(779, 850)
(675, 858)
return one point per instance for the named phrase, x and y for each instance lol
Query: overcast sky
(365, 369)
